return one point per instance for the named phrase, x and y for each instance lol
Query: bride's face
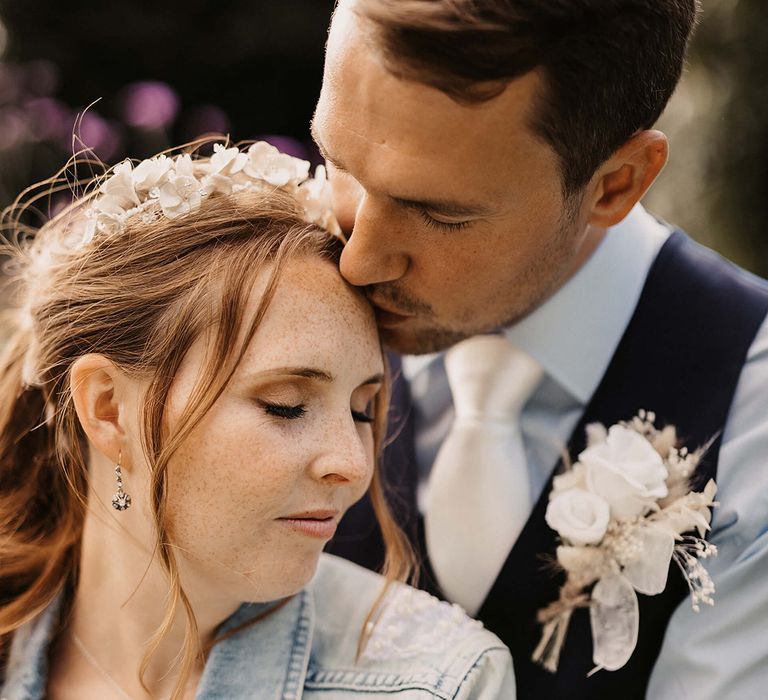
(259, 486)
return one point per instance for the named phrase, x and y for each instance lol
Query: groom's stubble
(427, 333)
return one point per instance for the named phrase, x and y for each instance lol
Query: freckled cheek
(257, 472)
(223, 486)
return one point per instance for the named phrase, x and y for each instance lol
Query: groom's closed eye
(448, 212)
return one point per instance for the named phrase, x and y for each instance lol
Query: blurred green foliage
(716, 183)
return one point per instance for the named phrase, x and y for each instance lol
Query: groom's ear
(622, 180)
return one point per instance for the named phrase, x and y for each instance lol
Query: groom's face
(455, 214)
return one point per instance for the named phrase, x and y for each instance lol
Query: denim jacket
(418, 648)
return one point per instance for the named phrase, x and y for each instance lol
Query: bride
(190, 400)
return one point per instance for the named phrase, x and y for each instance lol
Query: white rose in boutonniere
(579, 516)
(574, 478)
(626, 471)
(621, 513)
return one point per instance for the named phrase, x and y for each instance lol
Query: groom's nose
(373, 254)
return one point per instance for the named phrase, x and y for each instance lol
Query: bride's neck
(121, 600)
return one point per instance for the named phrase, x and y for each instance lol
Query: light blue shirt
(419, 648)
(721, 652)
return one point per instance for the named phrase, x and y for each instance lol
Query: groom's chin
(409, 339)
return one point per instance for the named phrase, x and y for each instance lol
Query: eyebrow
(437, 206)
(311, 373)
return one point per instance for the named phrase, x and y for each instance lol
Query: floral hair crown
(171, 187)
(177, 185)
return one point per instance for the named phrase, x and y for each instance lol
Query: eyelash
(282, 411)
(294, 412)
(442, 225)
(361, 417)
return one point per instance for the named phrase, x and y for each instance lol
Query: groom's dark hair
(608, 66)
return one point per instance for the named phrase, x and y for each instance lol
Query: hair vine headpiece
(170, 187)
(177, 185)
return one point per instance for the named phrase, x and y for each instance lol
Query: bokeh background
(166, 72)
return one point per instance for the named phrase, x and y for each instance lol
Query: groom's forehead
(367, 119)
(358, 86)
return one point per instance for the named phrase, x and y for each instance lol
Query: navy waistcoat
(680, 356)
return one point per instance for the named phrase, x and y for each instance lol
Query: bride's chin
(280, 580)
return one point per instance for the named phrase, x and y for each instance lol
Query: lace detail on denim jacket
(413, 622)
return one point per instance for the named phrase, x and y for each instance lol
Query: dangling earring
(121, 500)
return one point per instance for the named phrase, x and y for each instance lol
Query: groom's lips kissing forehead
(388, 317)
(393, 307)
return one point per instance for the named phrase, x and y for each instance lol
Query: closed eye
(431, 222)
(283, 411)
(294, 412)
(361, 417)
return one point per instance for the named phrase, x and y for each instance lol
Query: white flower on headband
(223, 165)
(266, 163)
(316, 198)
(120, 188)
(178, 185)
(118, 197)
(181, 193)
(227, 161)
(151, 173)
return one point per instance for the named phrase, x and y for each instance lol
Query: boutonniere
(622, 512)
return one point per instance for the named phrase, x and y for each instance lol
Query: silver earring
(121, 500)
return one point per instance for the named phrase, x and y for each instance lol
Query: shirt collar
(574, 334)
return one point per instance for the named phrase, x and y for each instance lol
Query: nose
(373, 253)
(345, 457)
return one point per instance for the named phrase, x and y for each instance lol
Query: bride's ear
(625, 177)
(99, 393)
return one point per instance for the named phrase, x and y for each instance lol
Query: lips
(314, 523)
(387, 309)
(320, 514)
(388, 318)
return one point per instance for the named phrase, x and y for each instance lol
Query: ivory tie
(478, 496)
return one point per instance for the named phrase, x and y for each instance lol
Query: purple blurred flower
(3, 38)
(150, 105)
(9, 84)
(41, 78)
(203, 119)
(13, 128)
(49, 119)
(101, 136)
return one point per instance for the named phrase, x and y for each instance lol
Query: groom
(487, 159)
